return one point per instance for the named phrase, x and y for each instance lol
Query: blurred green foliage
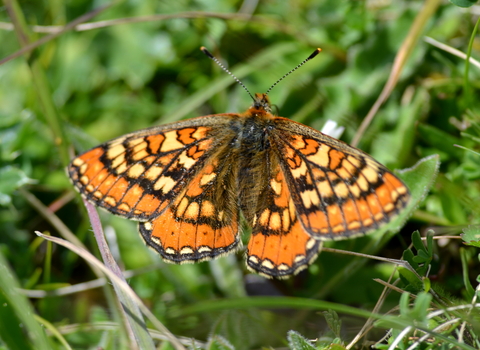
(108, 81)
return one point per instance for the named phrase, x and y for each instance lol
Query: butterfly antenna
(316, 52)
(214, 59)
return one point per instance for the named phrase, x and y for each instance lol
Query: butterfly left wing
(137, 175)
(171, 178)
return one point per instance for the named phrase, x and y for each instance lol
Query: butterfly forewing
(137, 175)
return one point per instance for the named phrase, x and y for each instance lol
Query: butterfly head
(262, 102)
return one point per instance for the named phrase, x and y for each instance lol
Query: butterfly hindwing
(202, 221)
(278, 246)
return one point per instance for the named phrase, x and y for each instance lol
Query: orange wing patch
(136, 176)
(195, 227)
(279, 246)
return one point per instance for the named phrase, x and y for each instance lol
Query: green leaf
(417, 241)
(419, 180)
(452, 207)
(411, 281)
(427, 284)
(424, 255)
(463, 3)
(419, 311)
(408, 256)
(415, 315)
(333, 321)
(401, 138)
(10, 333)
(335, 347)
(404, 301)
(471, 235)
(297, 342)
(11, 178)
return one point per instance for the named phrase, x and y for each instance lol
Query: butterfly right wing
(317, 188)
(339, 191)
(279, 246)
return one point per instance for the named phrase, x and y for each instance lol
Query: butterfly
(191, 184)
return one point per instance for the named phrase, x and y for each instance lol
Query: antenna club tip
(206, 52)
(316, 52)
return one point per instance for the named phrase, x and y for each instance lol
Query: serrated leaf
(297, 342)
(471, 236)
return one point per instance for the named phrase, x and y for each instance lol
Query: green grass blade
(27, 333)
(39, 79)
(120, 283)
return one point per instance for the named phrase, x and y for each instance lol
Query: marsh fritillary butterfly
(189, 183)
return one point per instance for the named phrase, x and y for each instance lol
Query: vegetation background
(133, 64)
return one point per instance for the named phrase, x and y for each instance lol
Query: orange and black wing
(279, 246)
(169, 178)
(136, 176)
(202, 221)
(338, 191)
